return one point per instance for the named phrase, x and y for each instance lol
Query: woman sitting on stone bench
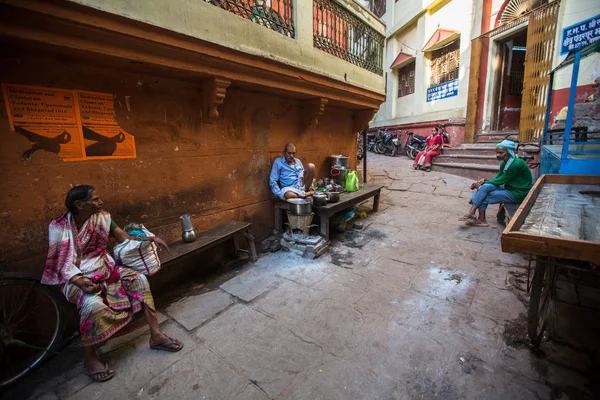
(106, 295)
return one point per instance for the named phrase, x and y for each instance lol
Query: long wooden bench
(212, 237)
(347, 200)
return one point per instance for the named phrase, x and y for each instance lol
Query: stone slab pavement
(413, 306)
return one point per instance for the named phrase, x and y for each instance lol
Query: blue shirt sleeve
(274, 179)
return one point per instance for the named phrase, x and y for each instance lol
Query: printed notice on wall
(47, 118)
(103, 136)
(442, 91)
(578, 36)
(75, 125)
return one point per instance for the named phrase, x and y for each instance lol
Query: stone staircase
(473, 160)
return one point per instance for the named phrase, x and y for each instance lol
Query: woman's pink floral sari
(83, 252)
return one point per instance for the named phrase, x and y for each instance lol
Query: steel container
(300, 206)
(339, 160)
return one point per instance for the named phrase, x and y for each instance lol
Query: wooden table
(557, 223)
(347, 200)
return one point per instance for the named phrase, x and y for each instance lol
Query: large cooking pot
(339, 160)
(319, 199)
(300, 206)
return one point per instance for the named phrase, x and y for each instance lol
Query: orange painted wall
(216, 171)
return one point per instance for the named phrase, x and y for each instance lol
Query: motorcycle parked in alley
(387, 143)
(371, 140)
(414, 144)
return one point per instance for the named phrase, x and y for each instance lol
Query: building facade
(173, 107)
(481, 67)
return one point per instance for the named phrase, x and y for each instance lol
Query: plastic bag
(352, 182)
(138, 255)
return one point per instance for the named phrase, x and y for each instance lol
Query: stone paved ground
(414, 306)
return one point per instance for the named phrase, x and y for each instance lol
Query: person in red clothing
(432, 149)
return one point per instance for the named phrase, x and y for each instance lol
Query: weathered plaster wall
(216, 171)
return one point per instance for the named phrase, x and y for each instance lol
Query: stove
(298, 239)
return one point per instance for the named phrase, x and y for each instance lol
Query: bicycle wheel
(30, 326)
(540, 300)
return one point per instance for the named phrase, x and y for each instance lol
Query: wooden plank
(349, 198)
(572, 249)
(204, 240)
(516, 222)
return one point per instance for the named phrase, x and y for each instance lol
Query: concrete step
(472, 149)
(495, 136)
(467, 170)
(485, 159)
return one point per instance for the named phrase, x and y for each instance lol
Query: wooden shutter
(541, 33)
(472, 97)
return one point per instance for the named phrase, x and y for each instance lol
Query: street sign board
(442, 91)
(579, 35)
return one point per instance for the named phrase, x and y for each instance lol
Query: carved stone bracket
(362, 118)
(214, 94)
(311, 110)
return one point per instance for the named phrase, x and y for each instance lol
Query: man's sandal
(477, 224)
(467, 217)
(108, 375)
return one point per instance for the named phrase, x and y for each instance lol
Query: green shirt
(516, 179)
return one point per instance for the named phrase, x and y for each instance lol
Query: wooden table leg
(325, 226)
(376, 202)
(278, 219)
(251, 246)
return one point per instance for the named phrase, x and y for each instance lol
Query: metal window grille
(445, 63)
(406, 80)
(273, 14)
(339, 32)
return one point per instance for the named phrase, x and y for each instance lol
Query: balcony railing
(339, 32)
(273, 14)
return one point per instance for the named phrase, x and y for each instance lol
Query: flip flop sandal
(467, 218)
(107, 377)
(275, 246)
(415, 166)
(476, 224)
(267, 245)
(165, 346)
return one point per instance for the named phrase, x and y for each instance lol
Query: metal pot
(300, 206)
(333, 197)
(319, 199)
(338, 160)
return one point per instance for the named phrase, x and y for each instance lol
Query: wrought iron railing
(339, 32)
(273, 14)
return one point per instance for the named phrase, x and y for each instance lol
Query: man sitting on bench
(511, 185)
(289, 179)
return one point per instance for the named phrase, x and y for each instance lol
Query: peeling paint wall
(216, 171)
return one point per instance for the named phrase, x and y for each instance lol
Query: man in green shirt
(511, 185)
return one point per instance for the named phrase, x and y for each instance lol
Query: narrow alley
(413, 306)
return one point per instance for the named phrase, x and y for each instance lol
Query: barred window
(444, 63)
(406, 80)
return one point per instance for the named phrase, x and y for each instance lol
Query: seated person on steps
(511, 185)
(289, 179)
